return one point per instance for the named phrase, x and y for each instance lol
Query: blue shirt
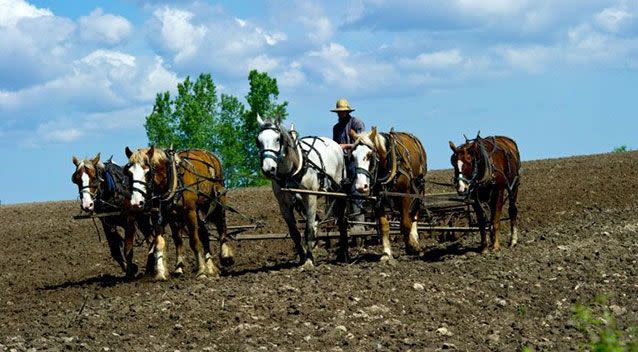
(341, 130)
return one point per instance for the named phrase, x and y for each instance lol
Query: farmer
(341, 135)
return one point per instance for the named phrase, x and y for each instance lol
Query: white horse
(311, 163)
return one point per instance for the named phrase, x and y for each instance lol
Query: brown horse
(393, 162)
(104, 188)
(188, 189)
(484, 168)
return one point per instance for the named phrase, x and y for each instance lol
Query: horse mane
(377, 143)
(140, 156)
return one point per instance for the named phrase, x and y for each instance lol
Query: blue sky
(78, 77)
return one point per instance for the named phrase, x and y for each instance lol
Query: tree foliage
(198, 118)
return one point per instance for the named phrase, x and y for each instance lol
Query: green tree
(198, 118)
(262, 99)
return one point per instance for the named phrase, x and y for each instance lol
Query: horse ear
(353, 134)
(96, 160)
(373, 133)
(452, 146)
(128, 152)
(478, 134)
(150, 152)
(76, 162)
(259, 120)
(292, 127)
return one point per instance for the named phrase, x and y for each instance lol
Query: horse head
(148, 170)
(276, 147)
(463, 161)
(87, 177)
(366, 152)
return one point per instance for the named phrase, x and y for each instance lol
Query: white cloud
(263, 63)
(614, 19)
(12, 11)
(49, 133)
(530, 59)
(492, 7)
(104, 28)
(178, 34)
(103, 80)
(26, 55)
(435, 60)
(159, 79)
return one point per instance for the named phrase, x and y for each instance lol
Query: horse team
(184, 191)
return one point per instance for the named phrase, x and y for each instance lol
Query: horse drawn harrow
(445, 212)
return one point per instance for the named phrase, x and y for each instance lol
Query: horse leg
(310, 201)
(227, 252)
(287, 211)
(176, 233)
(115, 243)
(195, 242)
(384, 227)
(144, 224)
(204, 237)
(159, 247)
(409, 229)
(480, 218)
(496, 204)
(129, 238)
(342, 223)
(513, 214)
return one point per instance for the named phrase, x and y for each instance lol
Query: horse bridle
(474, 180)
(276, 155)
(147, 185)
(93, 184)
(371, 172)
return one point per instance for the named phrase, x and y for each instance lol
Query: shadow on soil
(100, 280)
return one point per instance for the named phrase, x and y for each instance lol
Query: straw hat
(342, 105)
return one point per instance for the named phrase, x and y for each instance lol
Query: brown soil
(59, 289)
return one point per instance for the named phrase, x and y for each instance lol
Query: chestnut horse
(188, 189)
(484, 168)
(105, 188)
(393, 162)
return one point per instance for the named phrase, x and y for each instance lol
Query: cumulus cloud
(104, 28)
(435, 60)
(103, 80)
(223, 44)
(27, 56)
(614, 19)
(498, 17)
(531, 59)
(12, 11)
(178, 34)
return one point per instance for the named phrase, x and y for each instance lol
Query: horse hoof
(484, 250)
(413, 250)
(160, 277)
(496, 248)
(131, 271)
(513, 243)
(307, 265)
(178, 272)
(227, 261)
(388, 260)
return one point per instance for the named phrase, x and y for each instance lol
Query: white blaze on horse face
(87, 200)
(270, 145)
(462, 185)
(360, 155)
(139, 174)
